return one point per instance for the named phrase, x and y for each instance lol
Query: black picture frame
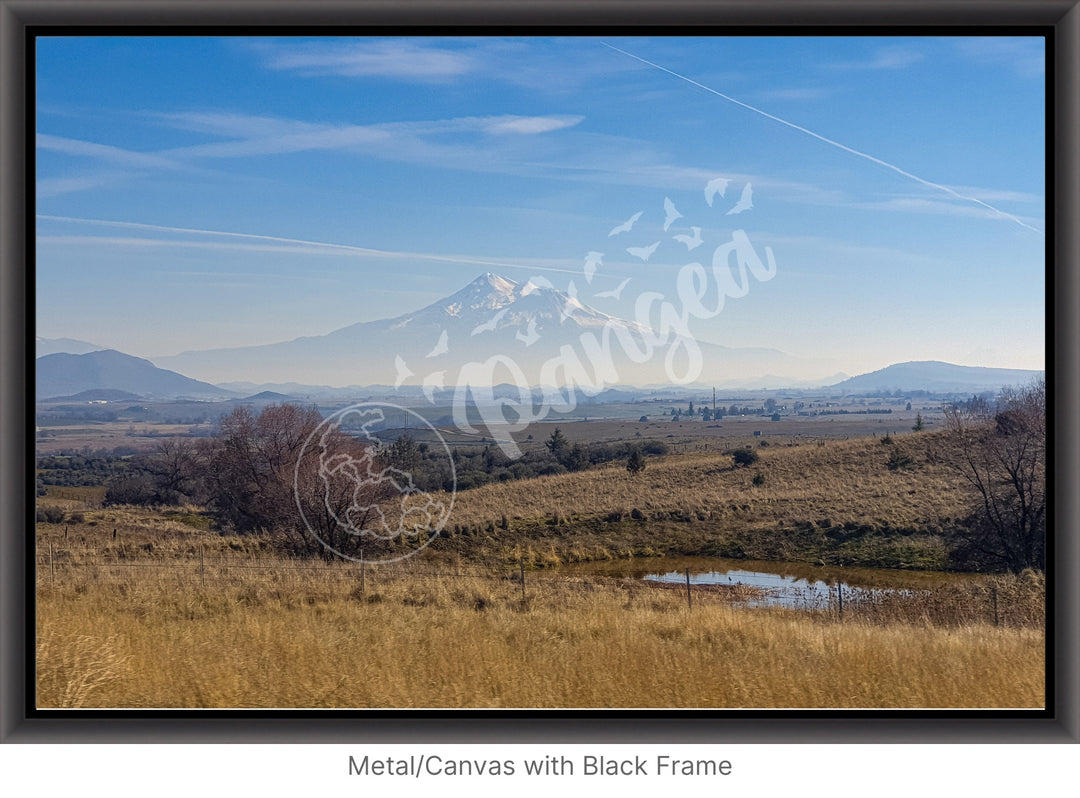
(20, 20)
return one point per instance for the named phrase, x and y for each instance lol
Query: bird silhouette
(403, 371)
(572, 303)
(718, 185)
(441, 347)
(490, 324)
(692, 242)
(745, 202)
(643, 252)
(670, 214)
(432, 382)
(592, 260)
(615, 292)
(534, 283)
(530, 336)
(626, 226)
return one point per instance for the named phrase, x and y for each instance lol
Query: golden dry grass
(841, 481)
(308, 637)
(127, 618)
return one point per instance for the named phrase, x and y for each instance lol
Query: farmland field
(156, 607)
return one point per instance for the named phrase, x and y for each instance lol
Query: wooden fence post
(52, 564)
(689, 605)
(840, 597)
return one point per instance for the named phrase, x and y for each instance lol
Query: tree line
(257, 475)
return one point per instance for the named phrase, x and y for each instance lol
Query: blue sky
(204, 192)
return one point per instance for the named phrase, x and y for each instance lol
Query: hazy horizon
(196, 193)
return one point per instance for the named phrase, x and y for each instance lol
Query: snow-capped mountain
(493, 304)
(528, 322)
(530, 326)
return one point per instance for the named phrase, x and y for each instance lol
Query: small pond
(795, 585)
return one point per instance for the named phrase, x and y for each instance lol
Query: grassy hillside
(835, 501)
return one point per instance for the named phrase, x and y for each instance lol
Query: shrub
(759, 478)
(132, 489)
(50, 515)
(899, 459)
(744, 457)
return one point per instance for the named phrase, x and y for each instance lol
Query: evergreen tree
(557, 443)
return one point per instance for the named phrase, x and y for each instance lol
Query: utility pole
(714, 402)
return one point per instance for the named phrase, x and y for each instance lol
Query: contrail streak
(318, 244)
(836, 144)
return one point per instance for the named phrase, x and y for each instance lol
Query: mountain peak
(496, 281)
(487, 292)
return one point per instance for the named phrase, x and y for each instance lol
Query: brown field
(694, 435)
(155, 608)
(697, 435)
(105, 435)
(266, 632)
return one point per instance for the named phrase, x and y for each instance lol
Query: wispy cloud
(442, 142)
(324, 138)
(258, 135)
(55, 186)
(104, 152)
(531, 124)
(233, 125)
(942, 208)
(884, 58)
(1026, 55)
(395, 59)
(262, 243)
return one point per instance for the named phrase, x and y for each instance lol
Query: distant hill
(935, 377)
(65, 374)
(267, 396)
(97, 395)
(51, 346)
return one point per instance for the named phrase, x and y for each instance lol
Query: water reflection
(786, 584)
(775, 589)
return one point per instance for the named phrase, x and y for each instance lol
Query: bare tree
(1000, 449)
(175, 469)
(311, 487)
